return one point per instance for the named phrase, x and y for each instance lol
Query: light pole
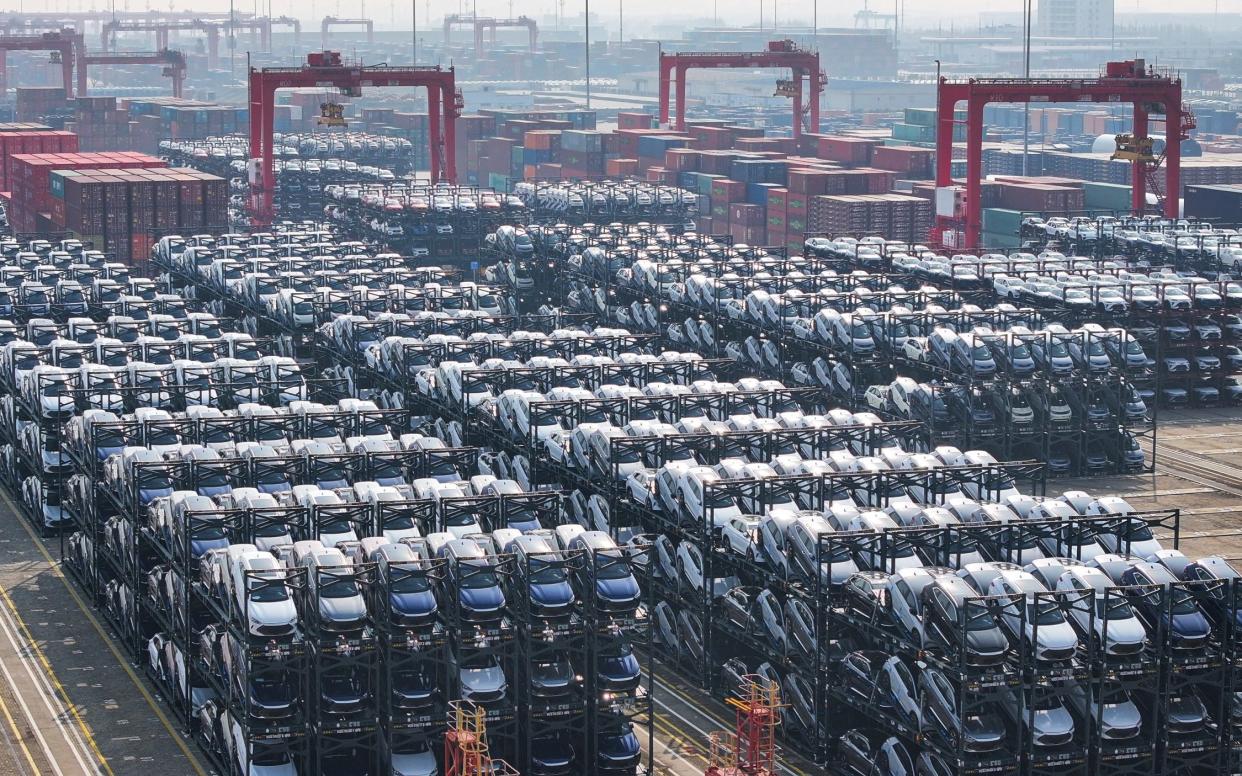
(1026, 73)
(414, 34)
(586, 26)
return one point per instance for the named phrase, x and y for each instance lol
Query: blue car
(607, 573)
(1175, 609)
(619, 751)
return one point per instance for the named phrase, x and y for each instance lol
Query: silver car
(1113, 627)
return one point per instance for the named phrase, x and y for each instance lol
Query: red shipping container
(745, 214)
(621, 168)
(850, 150)
(725, 191)
(681, 159)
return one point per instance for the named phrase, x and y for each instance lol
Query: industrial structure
(326, 69)
(331, 21)
(63, 44)
(780, 54)
(482, 24)
(173, 63)
(958, 212)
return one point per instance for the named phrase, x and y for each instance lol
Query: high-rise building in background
(1075, 18)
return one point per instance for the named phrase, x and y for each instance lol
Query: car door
(904, 606)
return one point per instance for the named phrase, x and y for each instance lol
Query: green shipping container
(705, 182)
(995, 240)
(926, 117)
(1000, 221)
(1105, 196)
(497, 181)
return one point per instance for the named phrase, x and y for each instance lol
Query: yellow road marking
(107, 640)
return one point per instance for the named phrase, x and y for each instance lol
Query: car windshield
(543, 572)
(1183, 603)
(1114, 609)
(1045, 613)
(980, 353)
(478, 576)
(979, 617)
(266, 590)
(334, 586)
(611, 565)
(1018, 350)
(1057, 349)
(410, 583)
(1095, 348)
(1134, 349)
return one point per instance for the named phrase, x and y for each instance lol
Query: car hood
(987, 642)
(343, 609)
(272, 612)
(619, 667)
(1192, 625)
(421, 764)
(483, 680)
(552, 593)
(1121, 715)
(422, 603)
(1053, 721)
(623, 589)
(482, 598)
(1057, 636)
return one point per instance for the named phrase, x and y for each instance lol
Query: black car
(867, 593)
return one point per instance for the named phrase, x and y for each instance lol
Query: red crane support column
(1138, 168)
(666, 74)
(797, 102)
(974, 165)
(681, 98)
(433, 130)
(1173, 157)
(450, 137)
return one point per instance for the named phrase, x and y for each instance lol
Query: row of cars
(749, 564)
(498, 547)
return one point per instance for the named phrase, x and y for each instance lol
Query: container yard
(550, 394)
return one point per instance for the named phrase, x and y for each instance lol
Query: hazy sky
(746, 12)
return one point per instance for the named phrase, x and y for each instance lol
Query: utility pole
(587, 32)
(1026, 73)
(414, 34)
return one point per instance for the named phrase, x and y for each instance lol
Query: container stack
(100, 124)
(39, 103)
(898, 216)
(126, 210)
(22, 138)
(29, 179)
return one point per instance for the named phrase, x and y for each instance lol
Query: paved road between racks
(685, 717)
(70, 703)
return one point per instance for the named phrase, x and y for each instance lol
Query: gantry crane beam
(291, 22)
(161, 28)
(326, 70)
(1122, 82)
(66, 42)
(780, 54)
(172, 61)
(485, 24)
(259, 27)
(331, 21)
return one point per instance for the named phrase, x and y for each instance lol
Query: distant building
(1075, 18)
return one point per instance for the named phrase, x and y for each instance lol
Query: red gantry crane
(63, 44)
(172, 61)
(331, 21)
(465, 744)
(325, 69)
(959, 219)
(780, 53)
(482, 24)
(750, 750)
